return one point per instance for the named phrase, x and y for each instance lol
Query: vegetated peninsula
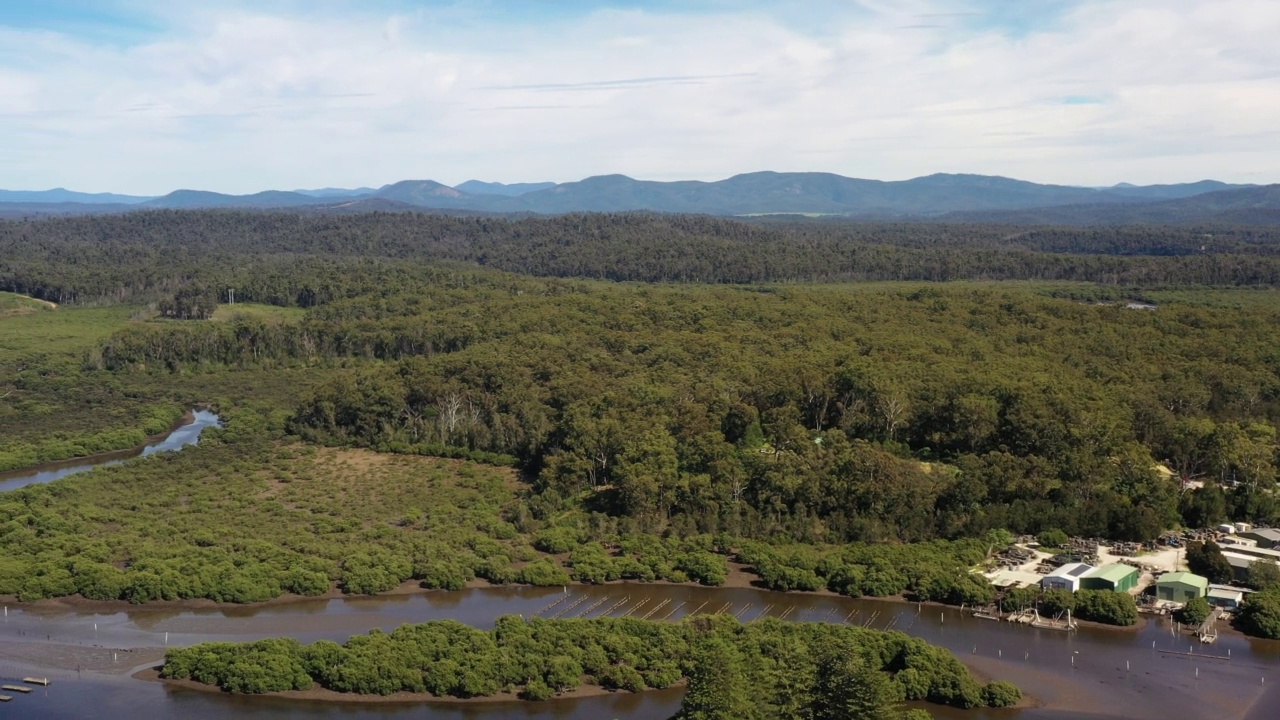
(767, 669)
(869, 409)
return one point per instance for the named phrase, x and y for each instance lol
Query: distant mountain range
(959, 198)
(1241, 206)
(62, 195)
(477, 187)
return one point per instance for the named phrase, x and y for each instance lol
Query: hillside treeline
(815, 413)
(766, 669)
(305, 260)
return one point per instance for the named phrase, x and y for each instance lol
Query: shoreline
(737, 578)
(188, 417)
(324, 695)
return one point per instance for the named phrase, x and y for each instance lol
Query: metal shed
(1240, 564)
(1181, 586)
(1116, 576)
(1267, 537)
(1226, 598)
(1067, 577)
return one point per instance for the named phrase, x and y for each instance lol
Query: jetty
(1208, 630)
(1056, 623)
(15, 688)
(990, 612)
(36, 681)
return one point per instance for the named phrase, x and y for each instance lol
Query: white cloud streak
(239, 101)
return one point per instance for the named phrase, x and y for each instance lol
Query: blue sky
(239, 96)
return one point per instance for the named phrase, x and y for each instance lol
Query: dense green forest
(401, 405)
(306, 260)
(818, 413)
(764, 669)
(248, 515)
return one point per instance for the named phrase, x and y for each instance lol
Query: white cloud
(238, 100)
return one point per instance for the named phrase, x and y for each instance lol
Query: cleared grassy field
(31, 328)
(11, 305)
(270, 313)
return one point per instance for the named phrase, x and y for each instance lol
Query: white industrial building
(1067, 577)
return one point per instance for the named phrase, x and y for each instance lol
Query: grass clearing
(256, 311)
(65, 334)
(12, 305)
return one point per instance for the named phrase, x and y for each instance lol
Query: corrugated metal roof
(1183, 578)
(1071, 570)
(1240, 561)
(1255, 551)
(1226, 594)
(1113, 573)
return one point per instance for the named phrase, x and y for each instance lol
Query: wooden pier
(1055, 624)
(15, 688)
(36, 681)
(1208, 630)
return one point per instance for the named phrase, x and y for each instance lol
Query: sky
(146, 97)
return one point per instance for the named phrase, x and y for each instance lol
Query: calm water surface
(188, 434)
(1082, 674)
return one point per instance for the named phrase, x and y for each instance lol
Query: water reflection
(188, 434)
(1152, 672)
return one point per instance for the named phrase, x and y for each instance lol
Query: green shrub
(1000, 694)
(1194, 612)
(305, 582)
(1105, 606)
(444, 576)
(704, 567)
(1053, 538)
(537, 691)
(543, 573)
(556, 540)
(1260, 615)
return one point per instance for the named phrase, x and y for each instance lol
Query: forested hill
(979, 198)
(1253, 206)
(304, 259)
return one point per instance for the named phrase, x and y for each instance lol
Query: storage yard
(1156, 575)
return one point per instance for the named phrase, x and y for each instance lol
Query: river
(185, 434)
(1094, 672)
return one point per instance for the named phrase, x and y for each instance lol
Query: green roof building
(1181, 586)
(1116, 576)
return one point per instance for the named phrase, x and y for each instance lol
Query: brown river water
(1091, 673)
(188, 433)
